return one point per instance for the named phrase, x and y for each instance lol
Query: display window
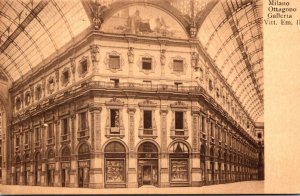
(65, 166)
(84, 165)
(179, 163)
(115, 165)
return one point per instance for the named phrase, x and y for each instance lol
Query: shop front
(37, 169)
(65, 166)
(202, 165)
(147, 164)
(50, 168)
(17, 175)
(26, 169)
(179, 164)
(115, 165)
(83, 165)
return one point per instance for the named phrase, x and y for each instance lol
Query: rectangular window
(212, 129)
(66, 76)
(259, 135)
(17, 141)
(37, 135)
(83, 121)
(51, 84)
(179, 123)
(114, 121)
(26, 137)
(148, 122)
(178, 65)
(65, 126)
(203, 124)
(147, 63)
(50, 130)
(114, 62)
(84, 67)
(116, 82)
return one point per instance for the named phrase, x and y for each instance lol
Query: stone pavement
(253, 187)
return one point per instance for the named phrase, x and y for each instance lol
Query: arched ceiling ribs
(250, 95)
(251, 98)
(255, 109)
(20, 28)
(258, 112)
(22, 53)
(227, 18)
(238, 49)
(245, 70)
(239, 41)
(14, 63)
(64, 18)
(246, 78)
(47, 31)
(253, 38)
(25, 32)
(239, 95)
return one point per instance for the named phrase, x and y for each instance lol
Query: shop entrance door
(63, 177)
(80, 177)
(148, 173)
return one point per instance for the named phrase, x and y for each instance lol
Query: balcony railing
(65, 137)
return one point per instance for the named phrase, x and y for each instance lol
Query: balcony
(147, 133)
(65, 137)
(81, 134)
(179, 133)
(50, 141)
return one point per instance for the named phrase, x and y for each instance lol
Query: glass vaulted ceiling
(30, 31)
(231, 34)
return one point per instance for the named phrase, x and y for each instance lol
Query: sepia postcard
(149, 96)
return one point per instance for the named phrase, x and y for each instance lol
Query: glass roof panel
(233, 52)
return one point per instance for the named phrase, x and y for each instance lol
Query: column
(96, 169)
(196, 172)
(132, 163)
(73, 173)
(57, 174)
(208, 170)
(164, 160)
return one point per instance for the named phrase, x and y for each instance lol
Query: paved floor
(254, 187)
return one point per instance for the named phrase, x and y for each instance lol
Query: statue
(94, 52)
(130, 54)
(163, 57)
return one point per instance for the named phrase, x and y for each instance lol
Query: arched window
(84, 152)
(18, 160)
(115, 161)
(65, 166)
(18, 103)
(179, 163)
(147, 150)
(66, 154)
(51, 154)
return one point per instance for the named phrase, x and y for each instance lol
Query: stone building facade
(126, 105)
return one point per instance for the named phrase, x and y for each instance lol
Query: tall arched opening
(115, 165)
(148, 164)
